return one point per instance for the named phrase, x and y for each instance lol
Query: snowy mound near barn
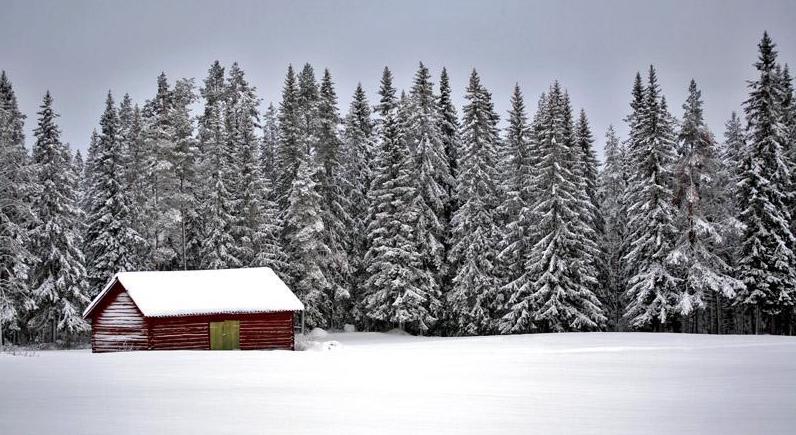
(373, 383)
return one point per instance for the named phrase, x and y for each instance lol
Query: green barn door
(225, 335)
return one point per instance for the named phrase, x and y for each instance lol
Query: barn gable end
(118, 324)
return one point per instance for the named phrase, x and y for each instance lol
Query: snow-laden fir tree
(136, 161)
(474, 296)
(112, 242)
(290, 149)
(514, 246)
(732, 154)
(88, 174)
(159, 213)
(308, 253)
(217, 176)
(432, 176)
(241, 120)
(562, 259)
(334, 186)
(79, 167)
(734, 149)
(613, 185)
(187, 235)
(268, 237)
(767, 263)
(448, 126)
(58, 276)
(270, 141)
(398, 285)
(589, 169)
(358, 157)
(16, 186)
(653, 285)
(308, 99)
(448, 121)
(701, 222)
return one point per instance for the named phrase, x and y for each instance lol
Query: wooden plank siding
(267, 331)
(119, 324)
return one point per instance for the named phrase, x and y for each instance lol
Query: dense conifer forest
(401, 210)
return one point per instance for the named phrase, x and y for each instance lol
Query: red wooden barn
(203, 309)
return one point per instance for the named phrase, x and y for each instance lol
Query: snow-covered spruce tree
(733, 152)
(136, 160)
(159, 216)
(562, 258)
(269, 249)
(398, 285)
(358, 157)
(270, 141)
(290, 148)
(652, 281)
(704, 274)
(612, 187)
(241, 120)
(334, 186)
(514, 246)
(308, 253)
(449, 127)
(768, 263)
(187, 235)
(307, 103)
(88, 175)
(110, 238)
(79, 168)
(734, 149)
(449, 130)
(433, 179)
(16, 187)
(588, 166)
(217, 196)
(58, 276)
(474, 296)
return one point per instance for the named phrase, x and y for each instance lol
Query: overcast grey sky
(80, 49)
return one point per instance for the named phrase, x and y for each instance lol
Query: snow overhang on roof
(199, 292)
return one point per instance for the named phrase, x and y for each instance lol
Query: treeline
(404, 214)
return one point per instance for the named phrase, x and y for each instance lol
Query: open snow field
(379, 383)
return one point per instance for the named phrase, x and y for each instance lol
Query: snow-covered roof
(198, 292)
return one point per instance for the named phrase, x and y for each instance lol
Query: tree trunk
(718, 314)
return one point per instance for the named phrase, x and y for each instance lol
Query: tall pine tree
(767, 263)
(58, 277)
(111, 240)
(398, 284)
(474, 297)
(652, 281)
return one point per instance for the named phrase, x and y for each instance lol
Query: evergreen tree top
(214, 86)
(48, 135)
(422, 88)
(388, 102)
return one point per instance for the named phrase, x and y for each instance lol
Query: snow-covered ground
(380, 383)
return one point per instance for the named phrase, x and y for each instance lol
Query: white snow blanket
(596, 383)
(197, 292)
